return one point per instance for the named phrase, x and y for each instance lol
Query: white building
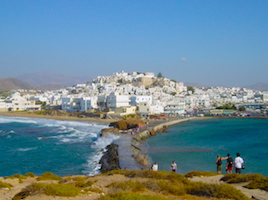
(116, 100)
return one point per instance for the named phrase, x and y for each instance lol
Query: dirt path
(256, 193)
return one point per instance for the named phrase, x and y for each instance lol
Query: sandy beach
(69, 118)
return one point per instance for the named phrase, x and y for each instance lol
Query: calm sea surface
(40, 145)
(195, 144)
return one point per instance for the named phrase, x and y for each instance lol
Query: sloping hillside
(49, 78)
(259, 86)
(12, 84)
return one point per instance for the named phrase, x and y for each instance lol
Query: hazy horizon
(207, 42)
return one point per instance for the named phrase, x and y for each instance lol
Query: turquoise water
(40, 145)
(195, 144)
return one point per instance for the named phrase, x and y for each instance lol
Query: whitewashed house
(115, 100)
(88, 103)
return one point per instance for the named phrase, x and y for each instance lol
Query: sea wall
(159, 128)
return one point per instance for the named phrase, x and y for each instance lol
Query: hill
(259, 86)
(49, 80)
(12, 84)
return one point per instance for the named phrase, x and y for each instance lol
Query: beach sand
(69, 118)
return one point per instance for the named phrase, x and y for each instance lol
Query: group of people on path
(238, 163)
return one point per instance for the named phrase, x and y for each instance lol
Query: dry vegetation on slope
(118, 184)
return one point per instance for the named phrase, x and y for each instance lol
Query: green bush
(49, 176)
(215, 190)
(198, 173)
(63, 190)
(79, 178)
(35, 187)
(149, 174)
(29, 174)
(131, 196)
(83, 184)
(258, 184)
(5, 185)
(256, 181)
(133, 186)
(239, 178)
(167, 187)
(19, 176)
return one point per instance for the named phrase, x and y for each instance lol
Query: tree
(227, 106)
(190, 88)
(242, 108)
(159, 75)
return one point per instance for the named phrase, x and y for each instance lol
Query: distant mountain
(197, 85)
(13, 84)
(259, 86)
(49, 80)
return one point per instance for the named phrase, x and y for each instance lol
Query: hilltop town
(144, 94)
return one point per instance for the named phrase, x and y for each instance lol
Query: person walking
(155, 166)
(238, 163)
(173, 166)
(229, 164)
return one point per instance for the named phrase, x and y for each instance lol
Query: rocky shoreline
(110, 159)
(129, 152)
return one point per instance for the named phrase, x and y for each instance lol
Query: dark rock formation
(21, 195)
(110, 160)
(106, 131)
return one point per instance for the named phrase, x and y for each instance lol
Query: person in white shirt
(173, 166)
(155, 166)
(238, 163)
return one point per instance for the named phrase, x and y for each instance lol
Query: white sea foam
(17, 119)
(102, 142)
(92, 167)
(75, 136)
(7, 132)
(26, 149)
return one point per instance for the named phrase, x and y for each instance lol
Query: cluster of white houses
(129, 93)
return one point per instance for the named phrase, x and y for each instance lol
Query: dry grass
(49, 176)
(165, 183)
(256, 181)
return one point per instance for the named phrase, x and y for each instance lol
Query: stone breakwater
(137, 142)
(129, 151)
(159, 128)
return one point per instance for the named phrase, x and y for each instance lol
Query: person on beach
(155, 166)
(229, 164)
(238, 163)
(173, 166)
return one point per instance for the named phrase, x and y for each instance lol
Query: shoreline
(65, 118)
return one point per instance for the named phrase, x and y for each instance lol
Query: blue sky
(216, 42)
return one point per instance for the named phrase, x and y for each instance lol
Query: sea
(74, 147)
(195, 144)
(39, 145)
